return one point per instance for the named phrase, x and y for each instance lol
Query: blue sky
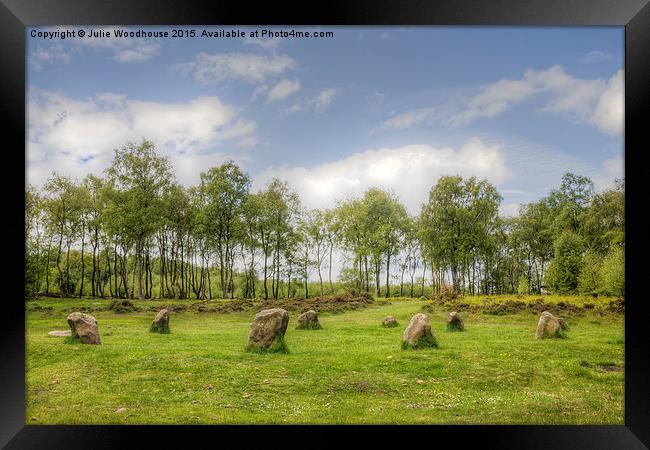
(395, 107)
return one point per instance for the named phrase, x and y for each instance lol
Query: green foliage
(612, 273)
(589, 281)
(564, 272)
(522, 287)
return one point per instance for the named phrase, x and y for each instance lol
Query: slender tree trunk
(83, 266)
(388, 275)
(47, 268)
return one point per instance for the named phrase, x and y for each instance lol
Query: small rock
(160, 323)
(418, 333)
(309, 321)
(121, 409)
(419, 381)
(55, 382)
(268, 328)
(60, 333)
(549, 326)
(84, 326)
(455, 322)
(389, 322)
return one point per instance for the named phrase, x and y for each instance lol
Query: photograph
(324, 225)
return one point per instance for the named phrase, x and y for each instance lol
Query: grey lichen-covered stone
(419, 333)
(268, 328)
(84, 326)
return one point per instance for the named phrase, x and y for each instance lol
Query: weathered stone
(549, 326)
(268, 328)
(84, 326)
(389, 322)
(309, 321)
(60, 333)
(455, 322)
(160, 323)
(418, 333)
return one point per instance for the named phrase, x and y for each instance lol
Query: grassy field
(352, 371)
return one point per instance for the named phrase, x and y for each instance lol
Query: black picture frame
(634, 15)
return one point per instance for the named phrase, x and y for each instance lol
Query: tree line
(136, 233)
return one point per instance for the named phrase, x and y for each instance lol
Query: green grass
(352, 371)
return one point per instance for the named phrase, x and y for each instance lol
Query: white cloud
(75, 137)
(54, 53)
(324, 99)
(214, 68)
(595, 102)
(595, 57)
(123, 49)
(270, 43)
(405, 120)
(509, 209)
(283, 89)
(609, 114)
(409, 171)
(319, 103)
(611, 170)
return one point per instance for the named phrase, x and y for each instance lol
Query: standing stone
(84, 326)
(267, 329)
(418, 333)
(309, 321)
(389, 322)
(455, 322)
(160, 323)
(549, 326)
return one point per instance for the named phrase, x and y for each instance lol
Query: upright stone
(455, 322)
(84, 326)
(309, 321)
(418, 333)
(549, 326)
(160, 323)
(267, 329)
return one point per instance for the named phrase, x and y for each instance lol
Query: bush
(589, 282)
(121, 306)
(612, 272)
(563, 272)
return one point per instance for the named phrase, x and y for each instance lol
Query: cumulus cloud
(409, 171)
(596, 102)
(251, 68)
(283, 89)
(78, 136)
